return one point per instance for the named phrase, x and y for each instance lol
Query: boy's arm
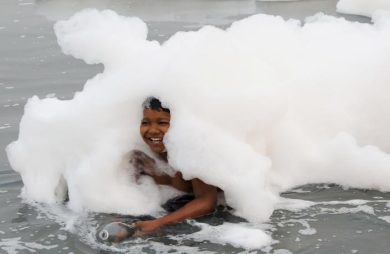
(176, 181)
(204, 203)
(147, 165)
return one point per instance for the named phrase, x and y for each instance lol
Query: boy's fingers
(138, 233)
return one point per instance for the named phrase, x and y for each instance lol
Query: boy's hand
(143, 162)
(147, 227)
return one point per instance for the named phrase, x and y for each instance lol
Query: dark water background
(31, 63)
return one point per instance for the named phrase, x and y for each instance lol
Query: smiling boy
(154, 124)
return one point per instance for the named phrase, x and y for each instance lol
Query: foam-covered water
(362, 7)
(259, 108)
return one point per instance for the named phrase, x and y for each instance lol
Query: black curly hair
(154, 104)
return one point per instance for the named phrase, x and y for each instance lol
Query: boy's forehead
(156, 113)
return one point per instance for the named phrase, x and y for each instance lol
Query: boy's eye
(163, 123)
(144, 122)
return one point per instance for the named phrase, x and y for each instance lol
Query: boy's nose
(154, 129)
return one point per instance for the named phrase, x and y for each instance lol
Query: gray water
(31, 63)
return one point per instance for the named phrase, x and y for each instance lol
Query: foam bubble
(265, 105)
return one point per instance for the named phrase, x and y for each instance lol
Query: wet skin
(154, 125)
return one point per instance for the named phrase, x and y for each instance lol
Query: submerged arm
(204, 203)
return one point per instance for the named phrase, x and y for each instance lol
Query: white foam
(353, 202)
(282, 251)
(15, 245)
(385, 218)
(344, 210)
(5, 127)
(307, 230)
(299, 190)
(362, 7)
(261, 107)
(238, 235)
(294, 204)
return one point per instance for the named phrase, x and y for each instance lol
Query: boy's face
(154, 125)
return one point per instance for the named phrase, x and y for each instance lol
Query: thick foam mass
(263, 106)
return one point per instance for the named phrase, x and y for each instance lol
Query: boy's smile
(154, 125)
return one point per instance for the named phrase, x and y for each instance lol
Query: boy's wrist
(163, 221)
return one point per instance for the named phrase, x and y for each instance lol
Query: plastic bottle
(116, 232)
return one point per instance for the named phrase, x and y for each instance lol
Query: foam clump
(363, 7)
(265, 105)
(238, 235)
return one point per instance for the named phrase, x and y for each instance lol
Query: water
(32, 64)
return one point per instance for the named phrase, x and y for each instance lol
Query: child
(155, 123)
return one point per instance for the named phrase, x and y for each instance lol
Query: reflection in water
(200, 12)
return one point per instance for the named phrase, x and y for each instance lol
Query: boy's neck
(164, 156)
